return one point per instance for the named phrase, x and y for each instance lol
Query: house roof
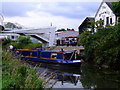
(85, 23)
(87, 19)
(91, 18)
(109, 5)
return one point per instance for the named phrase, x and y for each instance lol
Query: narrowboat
(69, 57)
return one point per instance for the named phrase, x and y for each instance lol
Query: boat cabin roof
(57, 51)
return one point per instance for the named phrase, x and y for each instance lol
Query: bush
(23, 43)
(16, 75)
(6, 43)
(33, 45)
(103, 47)
(24, 40)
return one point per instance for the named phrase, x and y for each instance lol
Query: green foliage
(33, 45)
(22, 70)
(78, 39)
(7, 41)
(59, 30)
(95, 25)
(17, 75)
(26, 46)
(68, 29)
(24, 40)
(102, 47)
(23, 43)
(116, 7)
(119, 20)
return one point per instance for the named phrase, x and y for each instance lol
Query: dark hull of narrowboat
(78, 64)
(56, 67)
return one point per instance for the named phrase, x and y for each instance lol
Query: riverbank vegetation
(16, 74)
(23, 42)
(102, 47)
(0, 65)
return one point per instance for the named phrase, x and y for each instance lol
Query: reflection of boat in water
(61, 76)
(69, 58)
(65, 76)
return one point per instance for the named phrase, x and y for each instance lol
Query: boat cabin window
(51, 55)
(67, 56)
(71, 55)
(54, 55)
(33, 54)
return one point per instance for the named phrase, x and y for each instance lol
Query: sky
(41, 13)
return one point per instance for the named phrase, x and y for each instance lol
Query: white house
(105, 13)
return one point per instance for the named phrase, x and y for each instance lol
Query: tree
(6, 42)
(68, 29)
(59, 30)
(24, 40)
(12, 25)
(116, 7)
(73, 29)
(95, 25)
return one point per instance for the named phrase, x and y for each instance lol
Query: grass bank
(0, 65)
(17, 75)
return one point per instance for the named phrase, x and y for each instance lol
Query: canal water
(88, 76)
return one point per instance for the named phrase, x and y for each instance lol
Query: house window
(110, 20)
(102, 22)
(54, 55)
(12, 37)
(107, 20)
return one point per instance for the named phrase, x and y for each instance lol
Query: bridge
(45, 35)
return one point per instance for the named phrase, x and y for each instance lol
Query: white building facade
(106, 14)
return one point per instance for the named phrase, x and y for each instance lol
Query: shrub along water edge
(102, 47)
(16, 74)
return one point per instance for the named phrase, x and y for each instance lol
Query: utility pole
(51, 24)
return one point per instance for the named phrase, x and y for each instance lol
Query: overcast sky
(40, 13)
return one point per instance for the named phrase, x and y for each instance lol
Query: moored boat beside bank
(69, 57)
